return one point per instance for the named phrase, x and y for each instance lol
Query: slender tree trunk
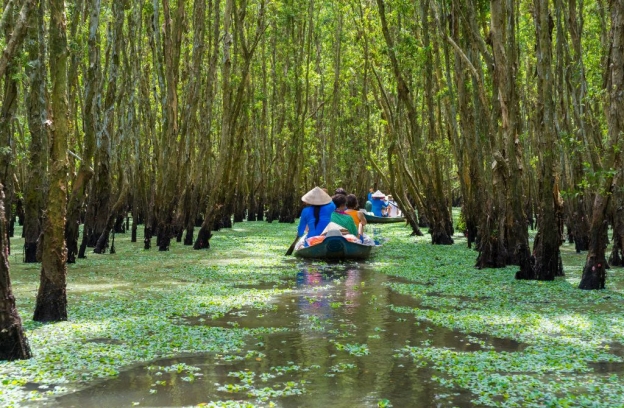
(34, 194)
(546, 248)
(52, 297)
(171, 149)
(85, 173)
(15, 38)
(220, 198)
(117, 209)
(15, 31)
(594, 275)
(441, 224)
(617, 251)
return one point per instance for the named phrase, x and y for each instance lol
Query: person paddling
(317, 215)
(379, 205)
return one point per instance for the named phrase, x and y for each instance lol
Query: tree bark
(16, 37)
(546, 249)
(37, 105)
(52, 297)
(86, 172)
(594, 275)
(13, 342)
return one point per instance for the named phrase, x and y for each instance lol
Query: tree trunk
(171, 150)
(546, 250)
(117, 209)
(221, 194)
(34, 189)
(15, 38)
(13, 342)
(617, 251)
(52, 297)
(594, 275)
(91, 110)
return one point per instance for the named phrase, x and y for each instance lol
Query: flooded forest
(156, 157)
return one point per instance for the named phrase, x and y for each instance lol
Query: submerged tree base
(594, 275)
(51, 302)
(13, 343)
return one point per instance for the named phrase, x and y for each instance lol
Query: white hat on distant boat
(378, 194)
(316, 196)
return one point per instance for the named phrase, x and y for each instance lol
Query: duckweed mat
(242, 325)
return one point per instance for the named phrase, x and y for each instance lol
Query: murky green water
(336, 348)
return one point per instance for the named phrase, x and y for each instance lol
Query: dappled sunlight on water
(335, 344)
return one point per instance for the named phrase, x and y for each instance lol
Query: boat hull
(372, 219)
(335, 248)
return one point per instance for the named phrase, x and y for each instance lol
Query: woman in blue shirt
(317, 215)
(379, 204)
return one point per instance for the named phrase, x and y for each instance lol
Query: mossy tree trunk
(221, 193)
(52, 297)
(34, 188)
(171, 147)
(91, 111)
(546, 249)
(594, 275)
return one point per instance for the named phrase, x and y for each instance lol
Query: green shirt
(345, 221)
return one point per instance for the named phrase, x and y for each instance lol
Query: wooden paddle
(292, 246)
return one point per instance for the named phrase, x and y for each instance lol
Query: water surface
(335, 344)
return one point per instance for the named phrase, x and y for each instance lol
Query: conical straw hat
(378, 194)
(332, 226)
(316, 196)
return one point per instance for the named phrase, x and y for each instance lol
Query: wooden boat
(335, 248)
(373, 219)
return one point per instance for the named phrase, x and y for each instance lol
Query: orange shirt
(354, 215)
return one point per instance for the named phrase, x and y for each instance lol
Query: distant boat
(373, 219)
(335, 248)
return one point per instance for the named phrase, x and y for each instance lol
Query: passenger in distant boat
(369, 200)
(340, 190)
(379, 205)
(317, 215)
(393, 209)
(340, 217)
(358, 216)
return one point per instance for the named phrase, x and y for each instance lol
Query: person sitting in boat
(317, 215)
(341, 190)
(379, 205)
(393, 209)
(340, 217)
(358, 216)
(369, 200)
(359, 219)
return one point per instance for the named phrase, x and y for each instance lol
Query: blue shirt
(378, 204)
(307, 220)
(369, 197)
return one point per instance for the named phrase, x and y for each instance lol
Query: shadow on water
(336, 348)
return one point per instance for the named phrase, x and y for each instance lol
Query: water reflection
(337, 348)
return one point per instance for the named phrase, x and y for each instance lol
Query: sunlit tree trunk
(221, 194)
(91, 105)
(171, 149)
(546, 247)
(15, 29)
(594, 275)
(34, 194)
(52, 297)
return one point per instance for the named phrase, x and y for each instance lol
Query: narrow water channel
(336, 347)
